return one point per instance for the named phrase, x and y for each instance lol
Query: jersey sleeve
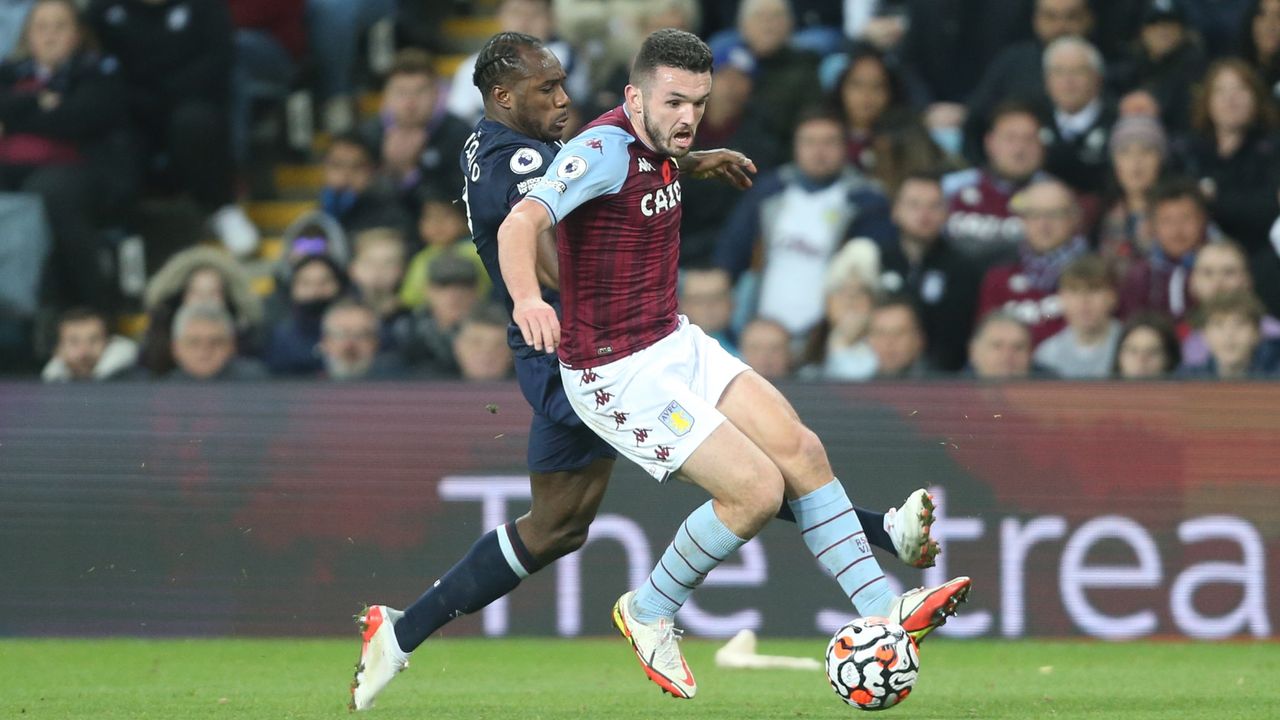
(593, 164)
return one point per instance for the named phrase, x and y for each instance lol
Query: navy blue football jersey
(501, 166)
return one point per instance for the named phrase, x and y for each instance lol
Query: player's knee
(761, 495)
(551, 537)
(569, 536)
(811, 452)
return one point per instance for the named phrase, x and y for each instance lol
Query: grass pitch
(527, 679)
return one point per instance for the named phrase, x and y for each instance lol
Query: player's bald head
(670, 48)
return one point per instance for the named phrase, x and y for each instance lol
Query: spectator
(176, 58)
(316, 282)
(1086, 347)
(800, 215)
(204, 347)
(1166, 61)
(1078, 117)
(870, 99)
(706, 298)
(442, 228)
(1180, 224)
(1147, 349)
(334, 30)
(922, 263)
(269, 43)
(426, 337)
(1000, 348)
(481, 344)
(198, 275)
(87, 350)
(62, 115)
(897, 339)
(1220, 268)
(787, 78)
(349, 344)
(1138, 153)
(730, 121)
(1027, 289)
(1234, 152)
(1017, 73)
(1260, 43)
(837, 348)
(1230, 323)
(765, 345)
(420, 143)
(376, 271)
(352, 194)
(980, 221)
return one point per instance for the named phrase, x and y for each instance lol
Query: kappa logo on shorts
(663, 452)
(620, 418)
(642, 435)
(602, 398)
(677, 419)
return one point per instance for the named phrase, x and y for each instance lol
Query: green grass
(527, 679)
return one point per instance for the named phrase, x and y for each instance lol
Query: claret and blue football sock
(834, 535)
(493, 567)
(872, 522)
(701, 543)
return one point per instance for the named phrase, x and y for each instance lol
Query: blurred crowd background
(210, 190)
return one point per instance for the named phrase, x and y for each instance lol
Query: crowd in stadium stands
(987, 189)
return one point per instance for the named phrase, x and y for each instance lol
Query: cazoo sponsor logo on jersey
(660, 200)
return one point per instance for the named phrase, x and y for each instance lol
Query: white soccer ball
(872, 663)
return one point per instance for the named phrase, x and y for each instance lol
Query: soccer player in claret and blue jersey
(525, 113)
(661, 391)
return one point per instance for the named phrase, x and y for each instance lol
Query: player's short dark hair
(499, 61)
(671, 48)
(1178, 187)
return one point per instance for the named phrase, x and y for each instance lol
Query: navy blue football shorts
(558, 439)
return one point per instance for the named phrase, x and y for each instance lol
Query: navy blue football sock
(872, 523)
(493, 567)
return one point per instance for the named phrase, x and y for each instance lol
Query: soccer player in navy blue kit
(526, 110)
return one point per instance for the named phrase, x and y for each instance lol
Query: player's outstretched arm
(548, 260)
(518, 259)
(730, 166)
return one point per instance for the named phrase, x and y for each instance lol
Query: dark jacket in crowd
(1017, 73)
(1081, 161)
(86, 126)
(438, 173)
(945, 288)
(1169, 80)
(949, 42)
(1244, 203)
(176, 50)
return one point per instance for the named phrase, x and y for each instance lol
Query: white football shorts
(657, 405)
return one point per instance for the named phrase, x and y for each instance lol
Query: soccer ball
(872, 663)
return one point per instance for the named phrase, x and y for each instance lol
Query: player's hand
(730, 166)
(538, 324)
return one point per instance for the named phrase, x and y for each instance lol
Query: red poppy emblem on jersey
(666, 171)
(595, 144)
